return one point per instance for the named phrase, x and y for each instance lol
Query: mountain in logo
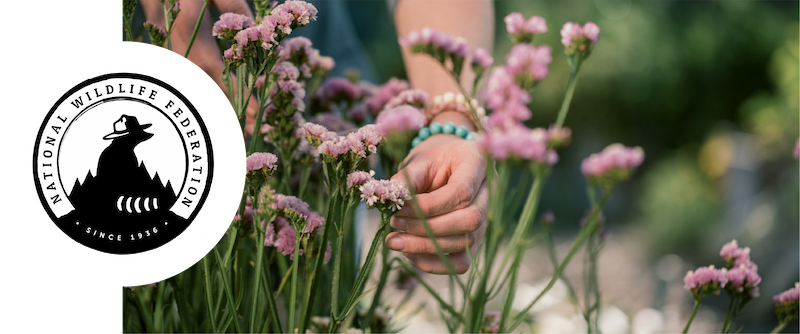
(122, 193)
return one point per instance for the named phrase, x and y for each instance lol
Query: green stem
(363, 274)
(551, 249)
(293, 291)
(694, 312)
(316, 274)
(147, 317)
(725, 323)
(272, 306)
(385, 267)
(257, 126)
(782, 325)
(158, 318)
(196, 28)
(573, 78)
(228, 293)
(257, 274)
(590, 226)
(207, 283)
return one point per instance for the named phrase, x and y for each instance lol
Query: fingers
(466, 176)
(456, 222)
(432, 264)
(408, 243)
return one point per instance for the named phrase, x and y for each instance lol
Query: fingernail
(396, 243)
(402, 224)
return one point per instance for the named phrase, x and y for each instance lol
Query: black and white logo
(123, 163)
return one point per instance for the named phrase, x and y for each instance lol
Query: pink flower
(230, 24)
(614, 157)
(297, 46)
(558, 136)
(285, 203)
(482, 58)
(258, 161)
(326, 62)
(527, 62)
(517, 25)
(791, 296)
(370, 136)
(385, 93)
(358, 178)
(743, 276)
(286, 241)
(358, 114)
(507, 100)
(267, 29)
(247, 35)
(579, 39)
(388, 195)
(413, 97)
(335, 90)
(400, 119)
(429, 41)
(518, 142)
(731, 253)
(514, 22)
(704, 278)
(302, 12)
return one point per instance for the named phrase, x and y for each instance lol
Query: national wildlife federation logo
(123, 163)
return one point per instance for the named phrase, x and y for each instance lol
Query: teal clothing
(335, 35)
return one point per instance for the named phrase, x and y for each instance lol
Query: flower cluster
(413, 97)
(383, 94)
(522, 30)
(528, 64)
(579, 40)
(357, 179)
(615, 163)
(247, 36)
(337, 90)
(743, 273)
(481, 61)
(519, 142)
(400, 119)
(291, 204)
(436, 43)
(260, 167)
(789, 296)
(705, 281)
(388, 196)
(353, 146)
(289, 92)
(507, 100)
(299, 52)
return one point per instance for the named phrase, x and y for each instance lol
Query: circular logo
(123, 163)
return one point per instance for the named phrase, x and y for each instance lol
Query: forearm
(472, 19)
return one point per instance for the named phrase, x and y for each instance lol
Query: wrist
(455, 117)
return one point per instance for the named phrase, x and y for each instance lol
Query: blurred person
(447, 172)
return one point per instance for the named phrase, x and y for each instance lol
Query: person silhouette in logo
(122, 191)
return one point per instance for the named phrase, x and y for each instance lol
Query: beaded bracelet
(448, 128)
(456, 102)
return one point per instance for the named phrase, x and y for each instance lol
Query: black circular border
(124, 75)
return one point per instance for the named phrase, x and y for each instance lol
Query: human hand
(204, 52)
(448, 174)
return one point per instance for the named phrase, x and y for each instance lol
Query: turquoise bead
(424, 133)
(471, 136)
(415, 142)
(461, 131)
(435, 128)
(449, 128)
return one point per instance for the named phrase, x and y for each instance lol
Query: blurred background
(709, 89)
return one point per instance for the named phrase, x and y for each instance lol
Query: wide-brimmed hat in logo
(125, 125)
